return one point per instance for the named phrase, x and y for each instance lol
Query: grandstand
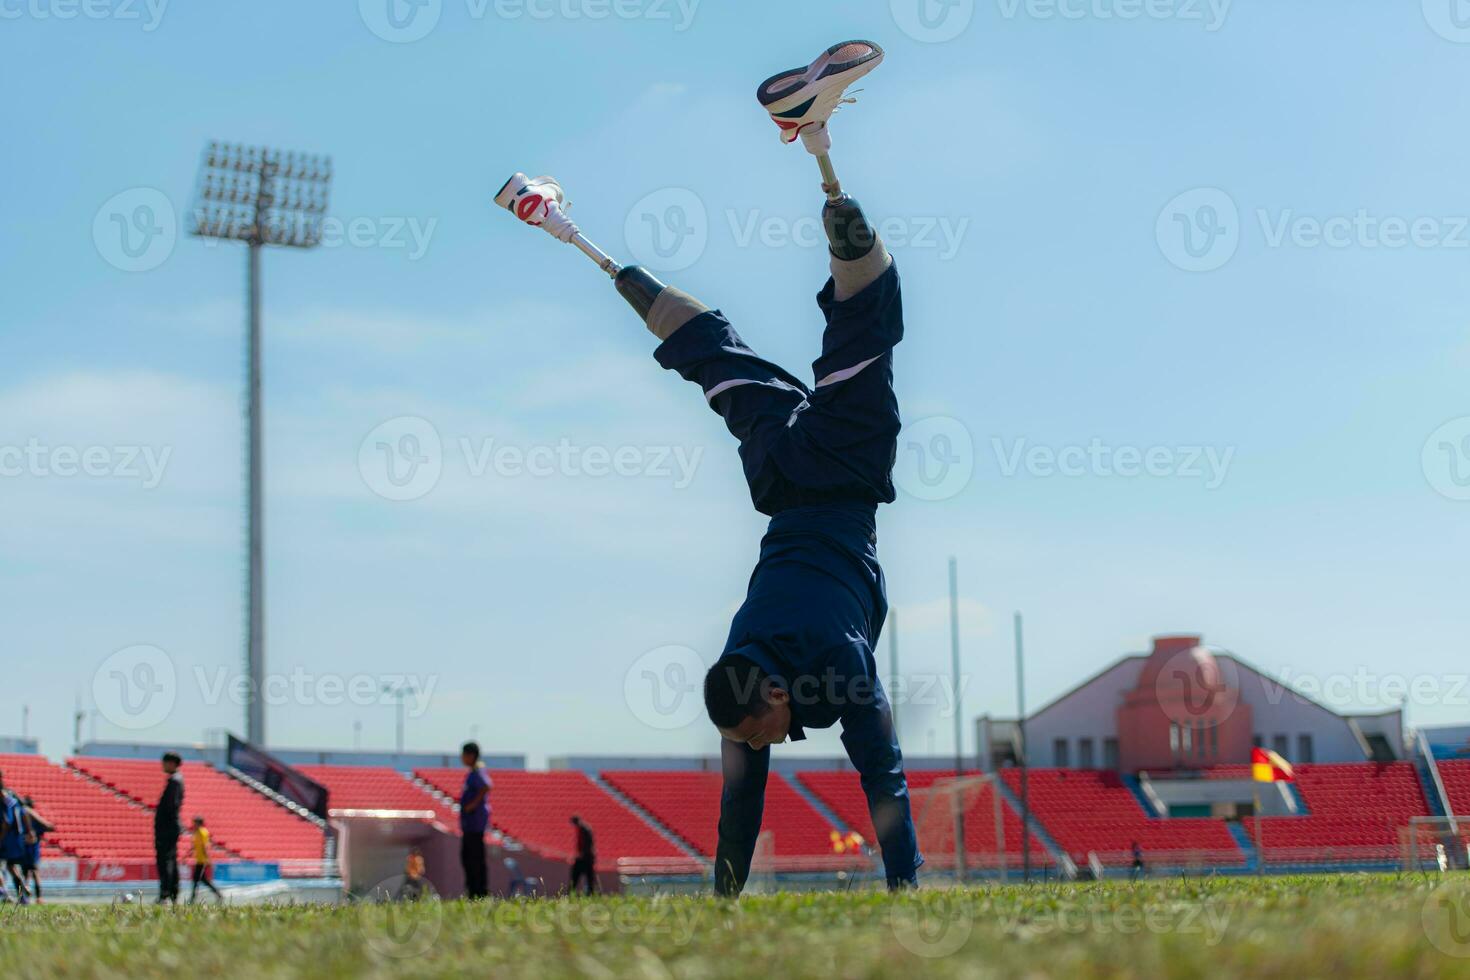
(1456, 776)
(93, 822)
(380, 788)
(1353, 814)
(241, 820)
(688, 803)
(843, 795)
(1363, 792)
(662, 821)
(1091, 812)
(535, 809)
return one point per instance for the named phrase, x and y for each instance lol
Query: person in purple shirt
(474, 820)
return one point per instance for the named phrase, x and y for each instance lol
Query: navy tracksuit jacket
(818, 460)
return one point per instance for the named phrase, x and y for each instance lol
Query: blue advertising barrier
(245, 872)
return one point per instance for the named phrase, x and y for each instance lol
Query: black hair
(473, 748)
(173, 757)
(734, 690)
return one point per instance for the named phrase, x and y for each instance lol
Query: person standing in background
(474, 820)
(167, 828)
(29, 866)
(14, 838)
(203, 864)
(585, 864)
(415, 884)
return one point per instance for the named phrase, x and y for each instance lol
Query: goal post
(960, 823)
(1434, 844)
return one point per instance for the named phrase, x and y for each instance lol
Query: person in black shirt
(585, 864)
(167, 828)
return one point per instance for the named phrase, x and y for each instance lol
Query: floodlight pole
(255, 527)
(401, 691)
(1021, 737)
(959, 745)
(261, 197)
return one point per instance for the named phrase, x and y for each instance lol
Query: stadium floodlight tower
(258, 196)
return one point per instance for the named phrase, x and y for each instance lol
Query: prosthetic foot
(541, 203)
(802, 101)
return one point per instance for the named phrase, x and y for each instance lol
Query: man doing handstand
(819, 459)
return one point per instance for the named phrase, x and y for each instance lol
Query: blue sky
(1187, 348)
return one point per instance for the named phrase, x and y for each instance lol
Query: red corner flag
(1268, 767)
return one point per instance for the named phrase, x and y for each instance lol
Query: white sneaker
(539, 202)
(801, 100)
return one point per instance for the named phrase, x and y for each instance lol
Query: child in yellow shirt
(203, 863)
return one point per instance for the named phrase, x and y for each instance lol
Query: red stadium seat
(536, 808)
(378, 788)
(91, 822)
(1355, 812)
(244, 822)
(1094, 812)
(1455, 774)
(842, 792)
(688, 803)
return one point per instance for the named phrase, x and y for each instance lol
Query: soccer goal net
(967, 828)
(1434, 844)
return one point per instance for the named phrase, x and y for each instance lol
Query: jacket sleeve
(872, 745)
(741, 804)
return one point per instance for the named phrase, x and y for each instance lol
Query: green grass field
(1346, 926)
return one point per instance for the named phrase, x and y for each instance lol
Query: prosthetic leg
(540, 202)
(848, 233)
(801, 102)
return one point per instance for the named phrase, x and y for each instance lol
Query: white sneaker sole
(803, 96)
